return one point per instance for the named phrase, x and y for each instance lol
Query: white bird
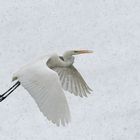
(45, 80)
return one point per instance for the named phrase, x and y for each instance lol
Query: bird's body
(43, 85)
(45, 80)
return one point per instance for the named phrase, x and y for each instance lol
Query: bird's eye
(75, 51)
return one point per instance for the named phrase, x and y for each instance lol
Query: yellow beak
(83, 51)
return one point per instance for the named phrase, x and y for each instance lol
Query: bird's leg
(9, 91)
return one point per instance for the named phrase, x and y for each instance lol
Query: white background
(32, 28)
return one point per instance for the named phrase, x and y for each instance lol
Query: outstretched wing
(44, 86)
(72, 81)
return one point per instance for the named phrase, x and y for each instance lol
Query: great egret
(45, 80)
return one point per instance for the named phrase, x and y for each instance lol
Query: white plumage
(45, 80)
(43, 85)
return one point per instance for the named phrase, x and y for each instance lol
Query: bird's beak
(83, 51)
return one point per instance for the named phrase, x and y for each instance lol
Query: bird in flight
(45, 80)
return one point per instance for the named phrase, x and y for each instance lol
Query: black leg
(9, 91)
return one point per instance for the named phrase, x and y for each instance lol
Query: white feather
(44, 86)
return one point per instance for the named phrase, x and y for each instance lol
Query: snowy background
(32, 28)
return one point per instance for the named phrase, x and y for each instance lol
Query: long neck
(68, 61)
(68, 57)
(56, 61)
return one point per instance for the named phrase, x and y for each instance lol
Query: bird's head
(70, 53)
(67, 59)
